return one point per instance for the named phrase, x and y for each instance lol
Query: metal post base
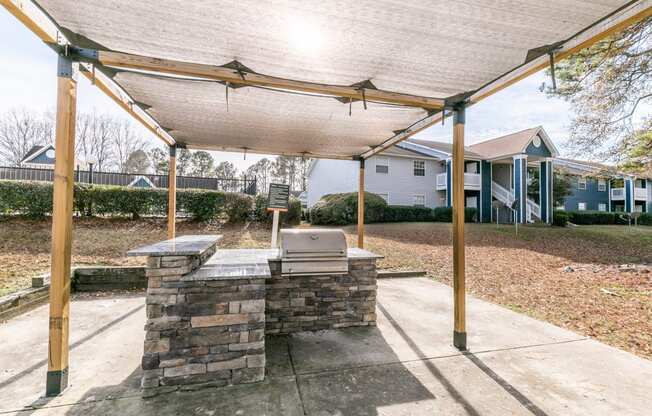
(56, 382)
(459, 340)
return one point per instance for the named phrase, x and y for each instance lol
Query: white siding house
(400, 176)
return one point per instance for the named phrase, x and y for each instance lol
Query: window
(385, 196)
(602, 206)
(472, 167)
(419, 168)
(581, 206)
(419, 200)
(382, 165)
(581, 183)
(602, 185)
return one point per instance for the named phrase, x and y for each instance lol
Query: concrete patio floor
(406, 366)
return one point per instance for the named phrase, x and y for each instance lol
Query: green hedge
(34, 199)
(593, 217)
(602, 218)
(342, 209)
(645, 219)
(559, 218)
(261, 214)
(394, 213)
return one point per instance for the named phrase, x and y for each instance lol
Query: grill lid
(312, 243)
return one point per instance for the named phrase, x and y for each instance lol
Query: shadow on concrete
(522, 399)
(74, 345)
(455, 394)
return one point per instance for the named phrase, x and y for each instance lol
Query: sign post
(277, 202)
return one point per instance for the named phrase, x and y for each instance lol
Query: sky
(28, 80)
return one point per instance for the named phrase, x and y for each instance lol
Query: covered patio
(406, 366)
(313, 80)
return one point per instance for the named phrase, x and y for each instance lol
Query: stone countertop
(187, 245)
(232, 264)
(362, 254)
(236, 264)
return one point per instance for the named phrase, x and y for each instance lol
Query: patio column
(57, 375)
(459, 330)
(629, 194)
(520, 186)
(485, 193)
(172, 192)
(545, 190)
(361, 206)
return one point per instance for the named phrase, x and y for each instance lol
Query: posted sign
(279, 194)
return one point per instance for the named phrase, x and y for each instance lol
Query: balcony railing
(640, 193)
(617, 194)
(471, 181)
(441, 182)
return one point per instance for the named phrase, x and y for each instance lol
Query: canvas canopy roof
(411, 58)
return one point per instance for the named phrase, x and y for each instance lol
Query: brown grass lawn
(525, 274)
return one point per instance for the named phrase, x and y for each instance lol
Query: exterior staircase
(507, 197)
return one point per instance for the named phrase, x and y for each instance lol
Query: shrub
(239, 207)
(120, 200)
(200, 204)
(261, 214)
(33, 199)
(559, 218)
(394, 213)
(342, 209)
(593, 217)
(645, 219)
(445, 214)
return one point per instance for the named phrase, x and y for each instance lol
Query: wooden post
(275, 218)
(361, 206)
(57, 375)
(459, 331)
(172, 192)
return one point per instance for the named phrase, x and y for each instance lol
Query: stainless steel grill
(319, 251)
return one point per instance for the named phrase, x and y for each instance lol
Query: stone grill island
(209, 309)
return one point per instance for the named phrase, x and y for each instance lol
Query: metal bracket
(65, 67)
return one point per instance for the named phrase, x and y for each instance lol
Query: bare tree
(125, 142)
(262, 171)
(94, 138)
(20, 130)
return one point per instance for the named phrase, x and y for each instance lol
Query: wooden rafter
(619, 21)
(108, 88)
(27, 13)
(219, 73)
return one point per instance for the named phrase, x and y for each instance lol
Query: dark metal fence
(247, 186)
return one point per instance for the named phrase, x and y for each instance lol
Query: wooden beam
(169, 66)
(361, 205)
(57, 375)
(619, 21)
(108, 87)
(172, 193)
(614, 24)
(32, 18)
(459, 331)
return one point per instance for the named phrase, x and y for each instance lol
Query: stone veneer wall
(311, 303)
(201, 333)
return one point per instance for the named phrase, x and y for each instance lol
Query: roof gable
(37, 154)
(517, 143)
